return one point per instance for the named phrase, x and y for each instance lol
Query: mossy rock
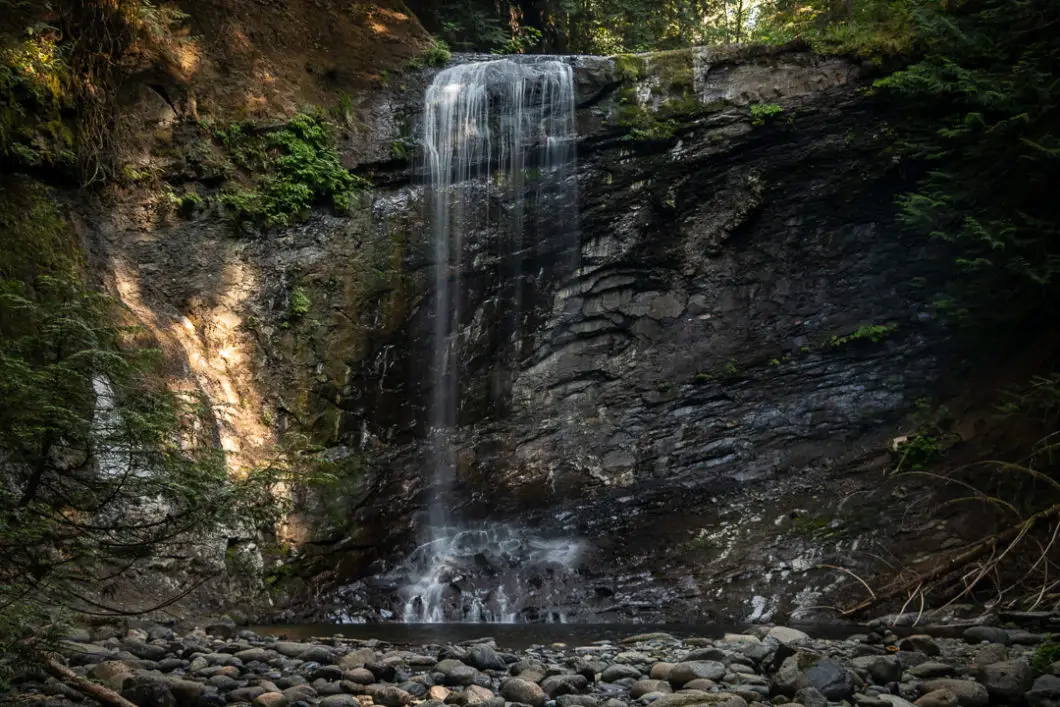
(36, 238)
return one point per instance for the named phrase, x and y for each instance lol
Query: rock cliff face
(703, 387)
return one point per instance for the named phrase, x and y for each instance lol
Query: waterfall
(497, 135)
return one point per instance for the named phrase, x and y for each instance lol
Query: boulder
(146, 651)
(290, 648)
(361, 676)
(1007, 681)
(931, 669)
(1045, 692)
(811, 697)
(271, 699)
(920, 643)
(707, 653)
(331, 673)
(259, 654)
(577, 701)
(384, 672)
(245, 694)
(224, 683)
(388, 695)
(990, 634)
(339, 701)
(643, 687)
(830, 678)
(700, 684)
(557, 685)
(461, 676)
(357, 659)
(532, 670)
(300, 692)
(938, 698)
(476, 695)
(661, 671)
(691, 670)
(881, 669)
(968, 692)
(894, 700)
(186, 692)
(788, 636)
(149, 694)
(991, 653)
(523, 691)
(484, 657)
(111, 673)
(695, 697)
(613, 673)
(223, 659)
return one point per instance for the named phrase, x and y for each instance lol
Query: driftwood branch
(972, 553)
(85, 686)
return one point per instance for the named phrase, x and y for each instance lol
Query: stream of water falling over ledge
(502, 128)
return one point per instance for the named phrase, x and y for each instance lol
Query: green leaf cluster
(436, 54)
(873, 333)
(35, 95)
(1045, 655)
(293, 169)
(761, 112)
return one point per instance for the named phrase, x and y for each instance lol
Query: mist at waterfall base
(499, 146)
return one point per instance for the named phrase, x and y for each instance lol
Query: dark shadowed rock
(830, 678)
(1007, 682)
(362, 676)
(484, 657)
(921, 644)
(149, 694)
(991, 634)
(563, 685)
(1045, 692)
(339, 701)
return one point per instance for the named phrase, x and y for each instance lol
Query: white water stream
(501, 130)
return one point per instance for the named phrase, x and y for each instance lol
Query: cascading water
(498, 133)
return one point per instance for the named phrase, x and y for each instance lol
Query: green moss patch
(290, 169)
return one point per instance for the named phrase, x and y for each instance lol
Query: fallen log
(85, 686)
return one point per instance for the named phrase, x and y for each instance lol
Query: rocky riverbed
(222, 665)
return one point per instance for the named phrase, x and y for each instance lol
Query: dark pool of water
(519, 636)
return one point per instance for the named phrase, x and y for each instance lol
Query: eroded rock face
(708, 337)
(695, 339)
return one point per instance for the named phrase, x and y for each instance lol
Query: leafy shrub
(299, 304)
(436, 54)
(296, 167)
(874, 333)
(761, 112)
(1045, 655)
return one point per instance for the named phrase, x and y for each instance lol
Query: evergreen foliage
(102, 467)
(983, 107)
